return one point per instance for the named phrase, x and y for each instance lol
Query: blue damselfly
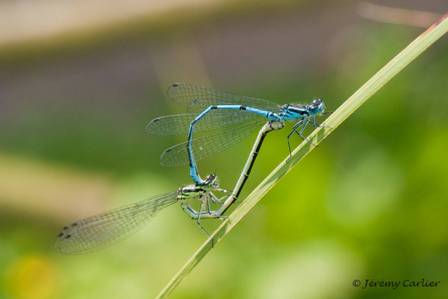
(234, 117)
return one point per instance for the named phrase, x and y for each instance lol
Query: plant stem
(366, 91)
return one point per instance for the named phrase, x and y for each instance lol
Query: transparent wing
(101, 230)
(178, 124)
(197, 98)
(208, 145)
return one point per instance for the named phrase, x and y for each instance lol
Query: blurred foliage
(370, 203)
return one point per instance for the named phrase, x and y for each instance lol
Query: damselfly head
(317, 106)
(212, 181)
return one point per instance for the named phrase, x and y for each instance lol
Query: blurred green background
(79, 81)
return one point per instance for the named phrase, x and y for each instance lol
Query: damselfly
(104, 229)
(234, 117)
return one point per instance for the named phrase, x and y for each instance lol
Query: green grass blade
(384, 75)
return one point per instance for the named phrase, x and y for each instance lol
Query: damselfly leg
(299, 129)
(294, 130)
(205, 209)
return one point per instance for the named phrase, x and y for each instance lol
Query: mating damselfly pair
(219, 120)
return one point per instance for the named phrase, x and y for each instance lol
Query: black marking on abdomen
(254, 156)
(242, 185)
